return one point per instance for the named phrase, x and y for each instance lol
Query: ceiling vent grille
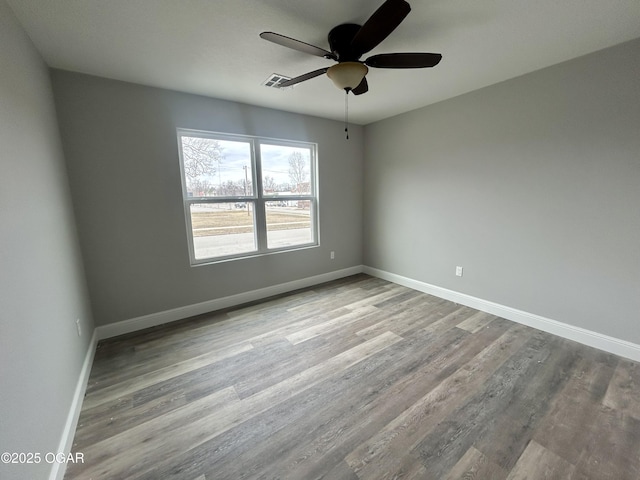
(274, 81)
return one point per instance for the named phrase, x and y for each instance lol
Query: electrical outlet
(332, 255)
(78, 327)
(458, 271)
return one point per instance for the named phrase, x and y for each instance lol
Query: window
(246, 196)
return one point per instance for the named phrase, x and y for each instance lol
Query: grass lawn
(226, 222)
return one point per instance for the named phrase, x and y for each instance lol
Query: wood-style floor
(356, 379)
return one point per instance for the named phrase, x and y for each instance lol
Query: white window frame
(257, 198)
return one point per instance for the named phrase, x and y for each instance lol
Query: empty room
(374, 239)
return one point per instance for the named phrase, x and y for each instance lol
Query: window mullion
(187, 215)
(261, 213)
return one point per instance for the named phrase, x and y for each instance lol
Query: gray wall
(122, 157)
(42, 289)
(532, 185)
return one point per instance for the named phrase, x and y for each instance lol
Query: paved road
(243, 242)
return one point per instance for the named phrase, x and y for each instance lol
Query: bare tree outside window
(202, 158)
(298, 173)
(231, 188)
(269, 184)
(201, 187)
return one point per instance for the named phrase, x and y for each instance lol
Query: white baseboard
(58, 469)
(577, 334)
(160, 318)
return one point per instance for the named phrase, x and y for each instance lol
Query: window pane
(286, 170)
(216, 168)
(288, 224)
(221, 229)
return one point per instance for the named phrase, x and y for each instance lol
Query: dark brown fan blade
(403, 60)
(296, 45)
(302, 78)
(362, 88)
(379, 26)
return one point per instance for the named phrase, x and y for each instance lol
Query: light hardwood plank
(121, 455)
(162, 374)
(613, 448)
(476, 321)
(622, 394)
(474, 465)
(538, 463)
(356, 379)
(384, 452)
(570, 422)
(333, 324)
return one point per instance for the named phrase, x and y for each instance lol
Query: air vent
(275, 80)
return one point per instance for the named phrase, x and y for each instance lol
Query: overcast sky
(275, 161)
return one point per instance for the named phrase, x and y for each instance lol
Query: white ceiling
(212, 47)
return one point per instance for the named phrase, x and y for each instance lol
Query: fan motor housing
(340, 38)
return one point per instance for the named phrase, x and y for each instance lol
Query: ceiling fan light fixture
(347, 75)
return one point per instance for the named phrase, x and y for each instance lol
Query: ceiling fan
(349, 41)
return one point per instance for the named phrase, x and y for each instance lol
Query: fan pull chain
(346, 112)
